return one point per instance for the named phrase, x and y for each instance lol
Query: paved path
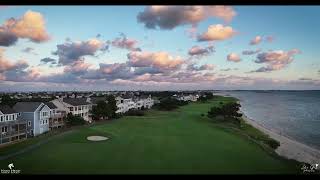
(33, 146)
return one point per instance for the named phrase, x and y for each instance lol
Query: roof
(51, 105)
(76, 101)
(126, 96)
(26, 106)
(5, 109)
(95, 100)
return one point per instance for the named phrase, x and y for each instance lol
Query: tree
(112, 106)
(100, 111)
(230, 110)
(72, 120)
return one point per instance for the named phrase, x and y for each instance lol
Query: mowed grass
(177, 142)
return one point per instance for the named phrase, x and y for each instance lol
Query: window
(4, 129)
(1, 118)
(7, 118)
(45, 113)
(76, 108)
(12, 117)
(40, 122)
(19, 114)
(46, 121)
(29, 123)
(71, 108)
(80, 108)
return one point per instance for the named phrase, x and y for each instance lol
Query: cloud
(233, 57)
(161, 60)
(216, 33)
(256, 40)
(7, 38)
(270, 39)
(77, 67)
(74, 51)
(48, 60)
(30, 26)
(251, 52)
(125, 43)
(12, 70)
(169, 17)
(275, 60)
(29, 50)
(198, 51)
(204, 67)
(305, 79)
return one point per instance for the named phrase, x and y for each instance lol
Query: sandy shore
(289, 148)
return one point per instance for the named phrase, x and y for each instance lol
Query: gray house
(12, 127)
(36, 114)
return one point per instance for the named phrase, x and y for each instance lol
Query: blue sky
(292, 27)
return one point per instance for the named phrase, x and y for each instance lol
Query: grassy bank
(161, 142)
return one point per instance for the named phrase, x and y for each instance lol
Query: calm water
(295, 114)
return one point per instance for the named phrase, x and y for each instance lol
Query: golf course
(181, 141)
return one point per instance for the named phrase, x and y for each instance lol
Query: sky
(159, 47)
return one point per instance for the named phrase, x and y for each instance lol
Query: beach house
(36, 114)
(12, 127)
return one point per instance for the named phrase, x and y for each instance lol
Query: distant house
(189, 97)
(76, 106)
(12, 127)
(36, 114)
(56, 116)
(126, 103)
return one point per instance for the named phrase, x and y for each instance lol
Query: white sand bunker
(97, 138)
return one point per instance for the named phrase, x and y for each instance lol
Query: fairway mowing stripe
(33, 146)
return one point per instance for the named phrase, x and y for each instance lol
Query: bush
(134, 113)
(202, 114)
(72, 120)
(273, 143)
(168, 104)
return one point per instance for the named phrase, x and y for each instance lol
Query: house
(56, 119)
(12, 127)
(36, 114)
(124, 104)
(189, 97)
(76, 106)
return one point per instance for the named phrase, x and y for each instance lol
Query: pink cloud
(233, 57)
(161, 60)
(256, 40)
(169, 17)
(30, 26)
(216, 33)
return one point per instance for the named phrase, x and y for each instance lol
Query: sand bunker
(97, 138)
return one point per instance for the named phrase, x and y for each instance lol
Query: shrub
(202, 114)
(273, 143)
(72, 120)
(134, 113)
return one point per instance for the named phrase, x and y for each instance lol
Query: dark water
(295, 114)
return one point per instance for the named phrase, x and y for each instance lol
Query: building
(76, 106)
(36, 114)
(12, 127)
(126, 103)
(189, 97)
(56, 119)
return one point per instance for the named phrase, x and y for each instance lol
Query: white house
(126, 103)
(76, 106)
(36, 114)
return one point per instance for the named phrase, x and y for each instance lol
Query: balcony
(12, 133)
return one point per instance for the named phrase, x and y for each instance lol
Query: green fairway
(161, 142)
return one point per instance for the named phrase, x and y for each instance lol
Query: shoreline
(288, 148)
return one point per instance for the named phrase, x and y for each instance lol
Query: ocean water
(294, 114)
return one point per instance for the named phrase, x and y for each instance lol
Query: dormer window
(19, 114)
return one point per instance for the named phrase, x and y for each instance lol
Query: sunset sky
(159, 47)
